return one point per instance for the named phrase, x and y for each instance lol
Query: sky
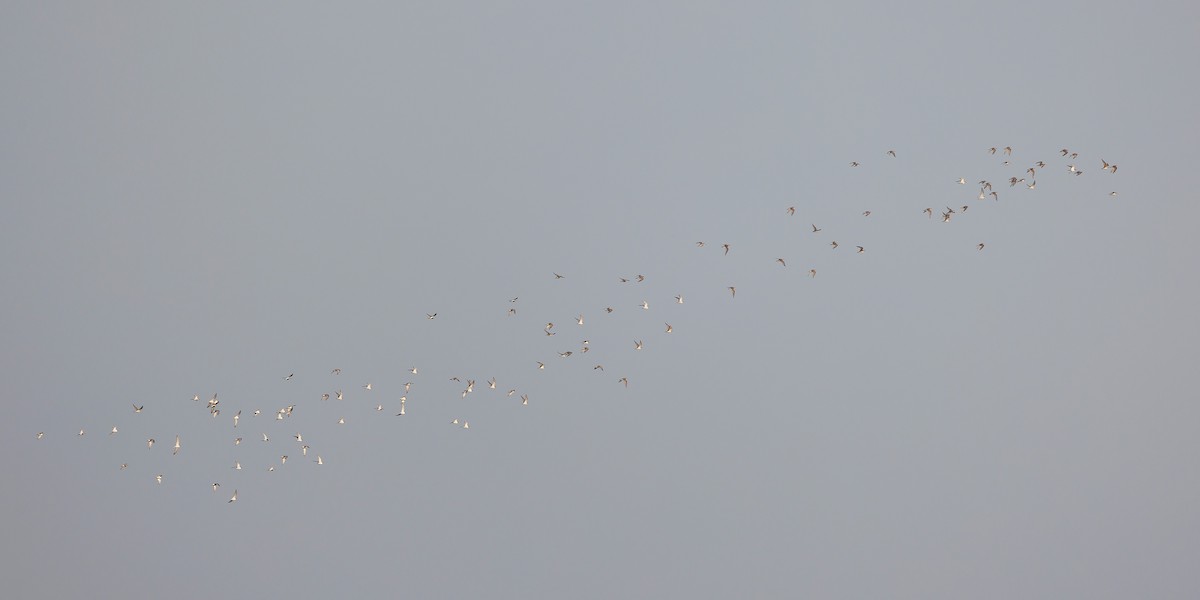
(204, 198)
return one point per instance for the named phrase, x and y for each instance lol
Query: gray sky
(205, 198)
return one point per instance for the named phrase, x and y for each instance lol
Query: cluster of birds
(549, 330)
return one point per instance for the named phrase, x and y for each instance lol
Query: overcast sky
(203, 198)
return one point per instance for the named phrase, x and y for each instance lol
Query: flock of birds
(296, 443)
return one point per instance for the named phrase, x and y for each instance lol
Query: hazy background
(203, 198)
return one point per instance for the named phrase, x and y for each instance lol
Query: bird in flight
(645, 305)
(833, 244)
(289, 377)
(524, 399)
(176, 449)
(215, 486)
(637, 344)
(234, 498)
(149, 443)
(431, 316)
(812, 273)
(138, 409)
(679, 299)
(791, 210)
(114, 431)
(892, 153)
(980, 246)
(699, 244)
(336, 372)
(962, 181)
(624, 381)
(41, 434)
(854, 163)
(726, 247)
(557, 276)
(669, 328)
(781, 261)
(860, 249)
(866, 213)
(158, 478)
(732, 292)
(816, 229)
